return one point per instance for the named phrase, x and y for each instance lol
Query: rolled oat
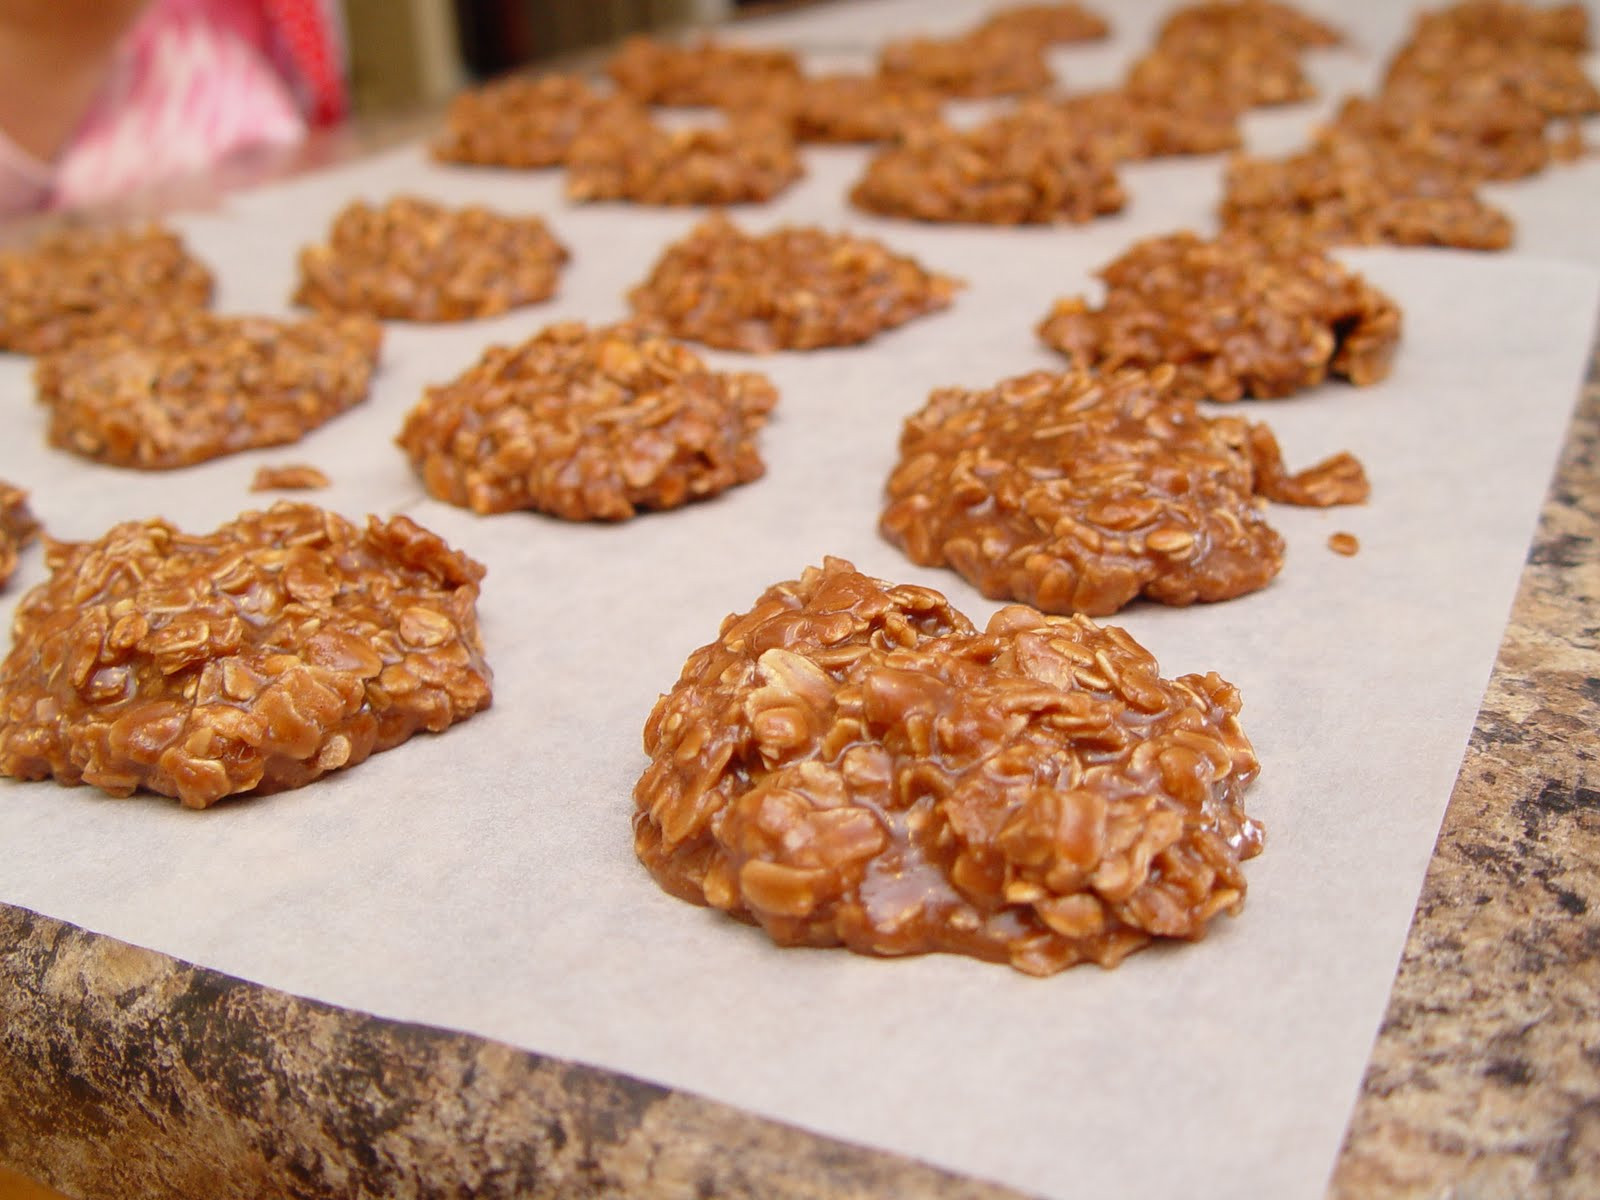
(289, 477)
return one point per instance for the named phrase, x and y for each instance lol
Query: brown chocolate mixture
(415, 260)
(520, 122)
(176, 388)
(1235, 317)
(51, 289)
(796, 288)
(17, 528)
(1029, 166)
(588, 425)
(852, 763)
(624, 155)
(1080, 492)
(286, 644)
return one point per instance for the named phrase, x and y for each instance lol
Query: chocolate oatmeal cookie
(170, 389)
(851, 763)
(588, 424)
(796, 288)
(1029, 166)
(625, 155)
(415, 260)
(1234, 317)
(50, 291)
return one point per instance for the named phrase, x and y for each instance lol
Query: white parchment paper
(484, 880)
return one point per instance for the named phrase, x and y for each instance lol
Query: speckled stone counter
(1485, 1079)
(125, 1072)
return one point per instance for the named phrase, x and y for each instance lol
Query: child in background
(102, 98)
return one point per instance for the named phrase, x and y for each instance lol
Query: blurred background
(405, 53)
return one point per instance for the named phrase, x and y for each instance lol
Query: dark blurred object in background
(499, 35)
(409, 53)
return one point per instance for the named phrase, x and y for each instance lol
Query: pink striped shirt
(194, 82)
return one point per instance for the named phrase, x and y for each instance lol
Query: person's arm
(54, 55)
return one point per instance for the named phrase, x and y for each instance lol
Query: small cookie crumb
(1343, 543)
(290, 477)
